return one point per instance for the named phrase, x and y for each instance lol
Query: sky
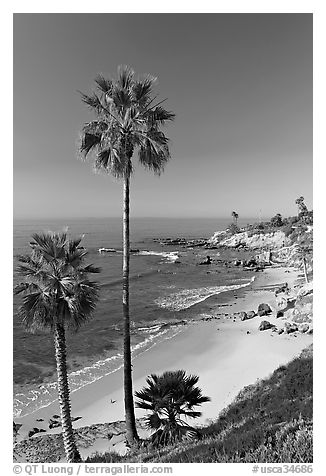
(239, 84)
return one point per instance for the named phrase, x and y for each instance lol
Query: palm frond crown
(56, 286)
(128, 119)
(170, 397)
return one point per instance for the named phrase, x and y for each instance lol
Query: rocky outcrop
(302, 310)
(49, 448)
(303, 328)
(273, 240)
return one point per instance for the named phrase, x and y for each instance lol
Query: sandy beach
(226, 353)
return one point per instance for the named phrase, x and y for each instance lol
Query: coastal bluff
(275, 239)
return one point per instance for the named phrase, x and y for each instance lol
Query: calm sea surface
(161, 293)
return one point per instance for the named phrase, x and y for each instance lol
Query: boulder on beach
(251, 314)
(264, 309)
(303, 328)
(243, 316)
(265, 325)
(279, 314)
(282, 301)
(290, 327)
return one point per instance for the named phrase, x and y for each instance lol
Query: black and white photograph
(162, 240)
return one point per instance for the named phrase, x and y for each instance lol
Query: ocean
(163, 296)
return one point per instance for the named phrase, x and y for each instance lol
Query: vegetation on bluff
(270, 421)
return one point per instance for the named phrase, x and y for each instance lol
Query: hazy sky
(239, 84)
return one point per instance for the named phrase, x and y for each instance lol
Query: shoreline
(185, 306)
(227, 354)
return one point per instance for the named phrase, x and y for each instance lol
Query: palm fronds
(170, 397)
(127, 120)
(56, 286)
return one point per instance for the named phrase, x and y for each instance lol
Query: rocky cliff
(272, 240)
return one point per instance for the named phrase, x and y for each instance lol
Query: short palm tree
(302, 207)
(171, 397)
(57, 294)
(235, 217)
(304, 252)
(127, 120)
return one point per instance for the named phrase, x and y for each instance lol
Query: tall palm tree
(127, 120)
(171, 397)
(57, 294)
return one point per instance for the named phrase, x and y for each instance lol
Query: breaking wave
(189, 297)
(44, 395)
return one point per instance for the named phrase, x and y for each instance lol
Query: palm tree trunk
(131, 435)
(72, 453)
(305, 269)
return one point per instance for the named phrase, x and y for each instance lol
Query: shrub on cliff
(233, 229)
(170, 397)
(277, 221)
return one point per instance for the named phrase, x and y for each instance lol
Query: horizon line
(195, 217)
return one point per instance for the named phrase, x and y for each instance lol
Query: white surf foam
(189, 297)
(33, 400)
(169, 256)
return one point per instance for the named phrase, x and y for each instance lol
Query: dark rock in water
(56, 416)
(265, 325)
(279, 314)
(311, 331)
(39, 419)
(264, 310)
(54, 423)
(250, 263)
(290, 327)
(243, 316)
(251, 314)
(34, 431)
(280, 331)
(208, 260)
(304, 327)
(248, 332)
(16, 427)
(282, 289)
